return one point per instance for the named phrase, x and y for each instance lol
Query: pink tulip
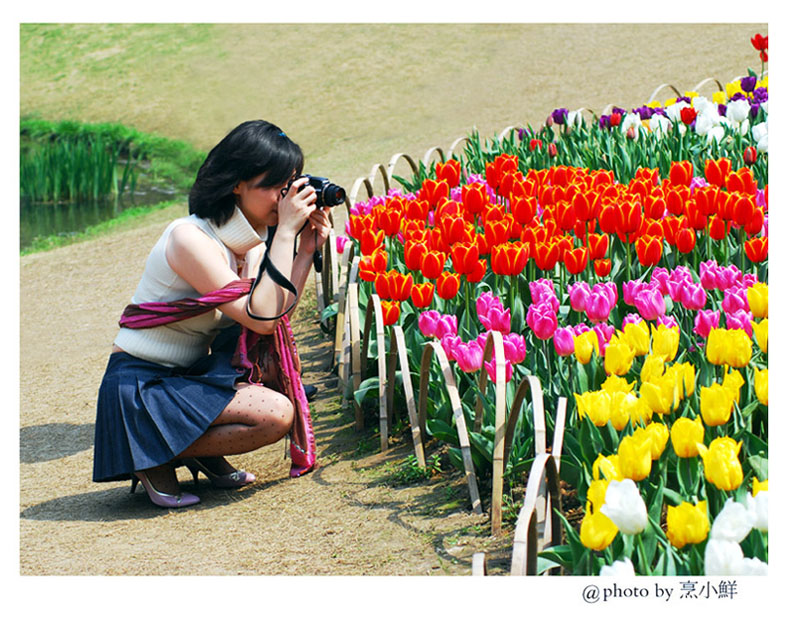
(514, 347)
(631, 318)
(485, 301)
(599, 305)
(735, 299)
(428, 321)
(603, 334)
(705, 320)
(631, 289)
(578, 295)
(542, 320)
(469, 356)
(650, 303)
(609, 289)
(692, 296)
(739, 319)
(728, 277)
(667, 320)
(660, 276)
(708, 274)
(490, 367)
(542, 291)
(749, 280)
(564, 341)
(482, 338)
(497, 319)
(341, 242)
(450, 344)
(434, 324)
(580, 328)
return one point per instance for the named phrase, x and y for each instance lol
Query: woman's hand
(296, 206)
(318, 222)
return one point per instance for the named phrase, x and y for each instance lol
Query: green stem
(642, 554)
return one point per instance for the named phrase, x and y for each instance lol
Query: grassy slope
(353, 95)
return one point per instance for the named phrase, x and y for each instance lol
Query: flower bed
(636, 286)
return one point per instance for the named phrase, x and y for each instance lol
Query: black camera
(328, 194)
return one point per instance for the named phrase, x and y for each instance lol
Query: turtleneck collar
(238, 234)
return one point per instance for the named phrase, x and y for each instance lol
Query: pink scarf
(247, 357)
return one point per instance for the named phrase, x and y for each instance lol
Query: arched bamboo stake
(494, 347)
(526, 542)
(660, 87)
(454, 145)
(506, 132)
(429, 153)
(381, 169)
(352, 197)
(342, 311)
(414, 168)
(400, 352)
(434, 347)
(479, 564)
(375, 314)
(702, 83)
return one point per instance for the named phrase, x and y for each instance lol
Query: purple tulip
(469, 356)
(748, 83)
(542, 320)
(578, 295)
(559, 115)
(650, 303)
(693, 297)
(564, 341)
(739, 319)
(705, 320)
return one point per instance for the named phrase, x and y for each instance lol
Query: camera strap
(267, 266)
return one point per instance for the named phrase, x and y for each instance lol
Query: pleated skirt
(147, 414)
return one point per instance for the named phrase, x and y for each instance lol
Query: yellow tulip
(665, 341)
(688, 371)
(616, 384)
(596, 495)
(761, 333)
(585, 344)
(685, 434)
(653, 367)
(758, 298)
(721, 463)
(640, 413)
(762, 385)
(659, 435)
(733, 383)
(739, 350)
(716, 404)
(759, 486)
(597, 531)
(660, 394)
(618, 357)
(634, 457)
(606, 467)
(670, 101)
(715, 346)
(687, 523)
(621, 408)
(637, 337)
(595, 405)
(732, 88)
(719, 97)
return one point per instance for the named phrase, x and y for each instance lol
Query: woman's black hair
(252, 148)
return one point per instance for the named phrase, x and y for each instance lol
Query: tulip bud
(750, 155)
(552, 149)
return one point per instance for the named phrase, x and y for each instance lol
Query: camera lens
(333, 195)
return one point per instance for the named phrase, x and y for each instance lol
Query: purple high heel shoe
(238, 478)
(168, 501)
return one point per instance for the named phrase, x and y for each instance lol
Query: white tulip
(659, 125)
(705, 123)
(763, 144)
(631, 120)
(715, 133)
(620, 568)
(759, 130)
(753, 566)
(674, 111)
(722, 558)
(758, 507)
(625, 506)
(738, 110)
(733, 523)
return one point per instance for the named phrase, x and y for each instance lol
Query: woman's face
(258, 203)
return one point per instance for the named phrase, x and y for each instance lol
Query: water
(38, 220)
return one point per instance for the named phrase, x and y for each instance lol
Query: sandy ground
(349, 517)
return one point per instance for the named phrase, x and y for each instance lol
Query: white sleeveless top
(181, 343)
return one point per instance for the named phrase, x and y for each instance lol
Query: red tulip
(760, 42)
(688, 115)
(717, 171)
(432, 264)
(478, 272)
(744, 209)
(393, 285)
(464, 257)
(602, 267)
(370, 240)
(524, 209)
(649, 250)
(390, 311)
(598, 245)
(509, 259)
(421, 294)
(576, 260)
(552, 149)
(628, 218)
(754, 225)
(743, 181)
(414, 254)
(474, 197)
(695, 216)
(608, 219)
(565, 215)
(670, 228)
(358, 224)
(496, 232)
(718, 228)
(447, 285)
(370, 266)
(757, 249)
(676, 198)
(448, 171)
(433, 191)
(388, 220)
(534, 144)
(456, 229)
(685, 240)
(417, 210)
(750, 155)
(546, 255)
(653, 207)
(681, 171)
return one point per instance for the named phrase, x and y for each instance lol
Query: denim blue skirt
(147, 414)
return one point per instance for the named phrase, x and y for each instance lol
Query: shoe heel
(134, 482)
(169, 501)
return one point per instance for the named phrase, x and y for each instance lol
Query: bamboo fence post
(342, 309)
(434, 347)
(526, 540)
(398, 341)
(494, 347)
(479, 564)
(375, 314)
(354, 352)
